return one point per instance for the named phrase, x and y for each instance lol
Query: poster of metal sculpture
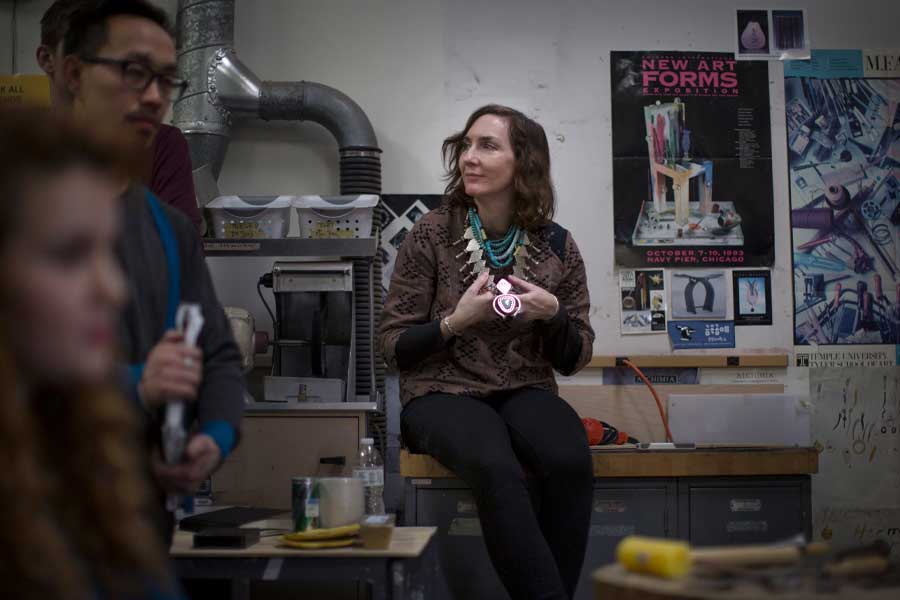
(692, 160)
(843, 126)
(698, 294)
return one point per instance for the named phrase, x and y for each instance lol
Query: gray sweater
(220, 398)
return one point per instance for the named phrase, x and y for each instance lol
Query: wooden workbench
(403, 571)
(406, 542)
(632, 462)
(706, 495)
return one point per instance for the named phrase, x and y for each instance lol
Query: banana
(322, 534)
(316, 545)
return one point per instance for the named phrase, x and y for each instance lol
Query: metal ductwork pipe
(222, 87)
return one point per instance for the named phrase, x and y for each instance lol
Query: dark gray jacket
(221, 394)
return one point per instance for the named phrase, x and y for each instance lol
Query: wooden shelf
(339, 247)
(696, 360)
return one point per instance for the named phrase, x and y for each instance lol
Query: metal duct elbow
(331, 108)
(233, 84)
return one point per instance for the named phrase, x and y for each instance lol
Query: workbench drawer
(620, 508)
(465, 568)
(743, 510)
(275, 448)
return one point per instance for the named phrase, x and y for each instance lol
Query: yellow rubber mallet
(674, 558)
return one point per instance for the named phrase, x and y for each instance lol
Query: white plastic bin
(347, 216)
(251, 216)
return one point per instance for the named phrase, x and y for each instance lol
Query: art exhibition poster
(692, 160)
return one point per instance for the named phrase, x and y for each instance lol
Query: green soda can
(305, 503)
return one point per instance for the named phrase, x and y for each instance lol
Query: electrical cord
(266, 280)
(662, 414)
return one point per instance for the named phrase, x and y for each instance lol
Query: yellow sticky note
(22, 90)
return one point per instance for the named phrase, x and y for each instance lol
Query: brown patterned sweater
(495, 355)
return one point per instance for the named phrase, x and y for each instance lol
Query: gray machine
(314, 345)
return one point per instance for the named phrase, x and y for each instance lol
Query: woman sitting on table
(74, 500)
(476, 358)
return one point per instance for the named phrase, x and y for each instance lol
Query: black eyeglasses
(138, 76)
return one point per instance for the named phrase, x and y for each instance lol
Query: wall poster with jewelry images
(400, 213)
(643, 295)
(692, 160)
(843, 126)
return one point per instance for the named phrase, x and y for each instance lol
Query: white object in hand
(189, 321)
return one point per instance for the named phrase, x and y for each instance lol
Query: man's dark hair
(88, 29)
(55, 21)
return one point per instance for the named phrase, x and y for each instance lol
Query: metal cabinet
(743, 510)
(619, 508)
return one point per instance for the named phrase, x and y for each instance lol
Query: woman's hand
(537, 303)
(474, 306)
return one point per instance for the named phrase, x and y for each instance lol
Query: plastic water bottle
(371, 471)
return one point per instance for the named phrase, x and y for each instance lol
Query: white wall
(419, 67)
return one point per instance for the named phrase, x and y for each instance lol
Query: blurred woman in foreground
(74, 501)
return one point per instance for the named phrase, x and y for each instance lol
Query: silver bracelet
(446, 322)
(556, 312)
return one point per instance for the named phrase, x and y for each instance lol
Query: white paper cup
(341, 501)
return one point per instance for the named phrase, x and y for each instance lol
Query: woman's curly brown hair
(75, 500)
(535, 200)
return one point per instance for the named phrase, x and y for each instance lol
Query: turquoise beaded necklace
(500, 253)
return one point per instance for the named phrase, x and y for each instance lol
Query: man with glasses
(119, 67)
(170, 174)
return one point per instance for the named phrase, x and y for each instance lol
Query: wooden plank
(279, 445)
(422, 466)
(663, 463)
(764, 360)
(701, 463)
(631, 408)
(695, 360)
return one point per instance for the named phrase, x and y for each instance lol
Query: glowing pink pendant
(506, 304)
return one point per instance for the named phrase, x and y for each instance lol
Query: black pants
(536, 547)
